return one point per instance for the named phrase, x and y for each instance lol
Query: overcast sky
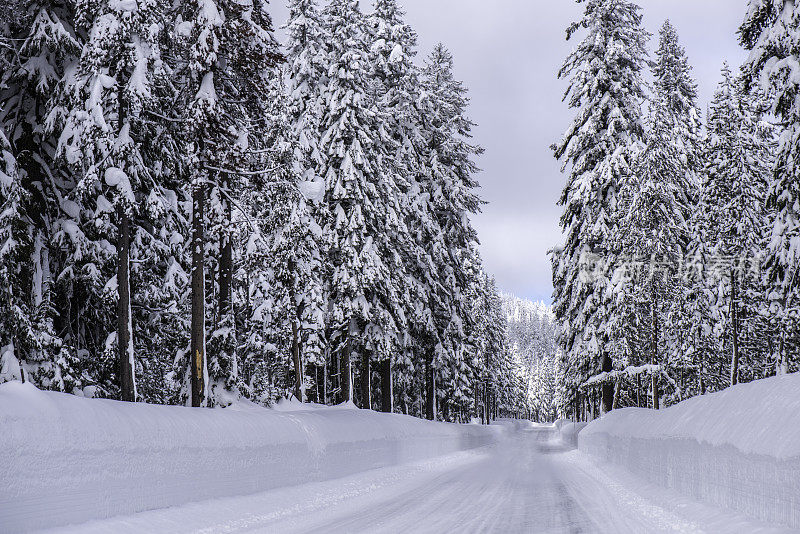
(508, 53)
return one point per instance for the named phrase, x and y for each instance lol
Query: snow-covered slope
(67, 459)
(739, 448)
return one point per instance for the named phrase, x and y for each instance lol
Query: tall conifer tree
(605, 86)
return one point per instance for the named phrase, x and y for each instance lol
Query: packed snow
(527, 480)
(739, 448)
(93, 466)
(69, 459)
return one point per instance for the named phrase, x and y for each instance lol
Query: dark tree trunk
(226, 267)
(124, 333)
(784, 358)
(345, 375)
(430, 389)
(608, 387)
(387, 395)
(366, 382)
(298, 364)
(198, 343)
(735, 329)
(324, 395)
(124, 326)
(654, 348)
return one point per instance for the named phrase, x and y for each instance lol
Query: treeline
(679, 272)
(533, 342)
(191, 213)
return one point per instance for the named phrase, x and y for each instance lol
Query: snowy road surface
(528, 482)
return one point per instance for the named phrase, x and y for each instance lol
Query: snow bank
(738, 449)
(68, 460)
(568, 431)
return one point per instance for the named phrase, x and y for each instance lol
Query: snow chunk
(116, 177)
(9, 364)
(397, 54)
(71, 208)
(123, 5)
(207, 92)
(313, 191)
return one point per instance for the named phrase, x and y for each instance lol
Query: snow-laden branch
(628, 372)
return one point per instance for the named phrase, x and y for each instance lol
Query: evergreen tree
(654, 227)
(15, 313)
(768, 32)
(226, 54)
(306, 78)
(395, 84)
(737, 162)
(363, 207)
(39, 45)
(102, 132)
(606, 87)
(450, 184)
(674, 83)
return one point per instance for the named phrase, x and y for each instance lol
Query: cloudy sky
(508, 53)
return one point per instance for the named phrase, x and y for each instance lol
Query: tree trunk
(654, 347)
(638, 390)
(735, 330)
(387, 395)
(298, 365)
(345, 376)
(783, 368)
(608, 387)
(198, 343)
(124, 326)
(226, 267)
(366, 381)
(324, 397)
(430, 392)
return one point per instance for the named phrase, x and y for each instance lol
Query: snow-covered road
(528, 482)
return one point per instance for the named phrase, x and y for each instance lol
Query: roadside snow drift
(739, 448)
(68, 460)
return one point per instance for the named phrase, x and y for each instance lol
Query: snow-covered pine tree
(15, 314)
(653, 231)
(362, 203)
(674, 83)
(39, 45)
(395, 81)
(769, 32)
(306, 76)
(449, 182)
(292, 254)
(102, 132)
(605, 73)
(654, 227)
(225, 54)
(737, 162)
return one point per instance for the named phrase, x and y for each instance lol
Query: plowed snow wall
(738, 449)
(65, 459)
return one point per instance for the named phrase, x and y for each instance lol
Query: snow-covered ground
(67, 459)
(87, 466)
(738, 449)
(528, 481)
